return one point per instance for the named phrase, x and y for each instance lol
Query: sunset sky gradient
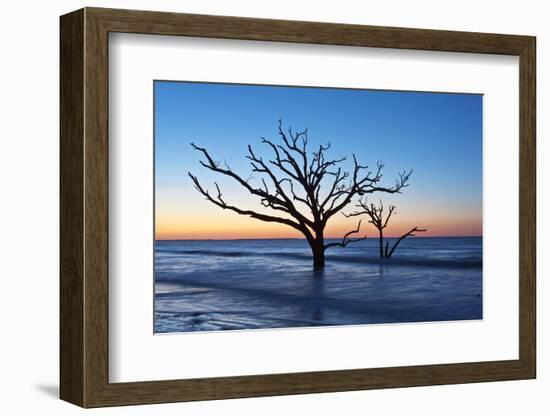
(438, 135)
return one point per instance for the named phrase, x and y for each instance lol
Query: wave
(210, 253)
(462, 262)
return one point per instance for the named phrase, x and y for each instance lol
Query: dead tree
(290, 182)
(380, 222)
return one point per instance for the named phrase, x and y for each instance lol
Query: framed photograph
(255, 207)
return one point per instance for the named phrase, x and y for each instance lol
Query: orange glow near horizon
(194, 218)
(229, 226)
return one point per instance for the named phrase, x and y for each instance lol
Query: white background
(136, 355)
(29, 175)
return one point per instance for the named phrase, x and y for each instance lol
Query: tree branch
(366, 184)
(218, 200)
(346, 240)
(407, 234)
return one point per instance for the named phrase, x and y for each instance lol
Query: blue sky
(438, 135)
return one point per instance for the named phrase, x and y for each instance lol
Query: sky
(438, 135)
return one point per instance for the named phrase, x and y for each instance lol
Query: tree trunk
(318, 257)
(381, 243)
(318, 250)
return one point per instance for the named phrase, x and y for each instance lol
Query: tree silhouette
(291, 184)
(376, 218)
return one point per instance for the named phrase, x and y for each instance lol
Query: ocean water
(251, 284)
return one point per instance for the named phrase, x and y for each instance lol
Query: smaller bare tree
(380, 221)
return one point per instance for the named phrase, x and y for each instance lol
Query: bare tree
(290, 184)
(380, 222)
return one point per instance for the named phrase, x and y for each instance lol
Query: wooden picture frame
(84, 207)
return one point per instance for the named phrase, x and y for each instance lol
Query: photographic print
(291, 206)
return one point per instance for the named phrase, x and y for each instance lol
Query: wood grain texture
(84, 207)
(162, 23)
(71, 158)
(96, 208)
(527, 207)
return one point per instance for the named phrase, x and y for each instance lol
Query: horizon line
(298, 238)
